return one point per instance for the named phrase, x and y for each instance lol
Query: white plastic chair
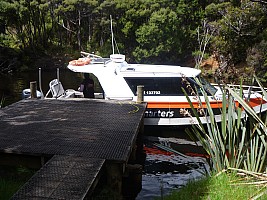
(56, 89)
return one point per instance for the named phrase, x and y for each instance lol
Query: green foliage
(2, 101)
(240, 140)
(151, 31)
(239, 27)
(11, 179)
(154, 36)
(257, 58)
(222, 186)
(8, 188)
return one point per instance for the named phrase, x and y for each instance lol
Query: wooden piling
(114, 173)
(132, 181)
(33, 89)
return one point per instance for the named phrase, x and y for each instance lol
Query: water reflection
(165, 170)
(11, 85)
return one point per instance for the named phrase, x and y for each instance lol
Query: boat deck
(90, 132)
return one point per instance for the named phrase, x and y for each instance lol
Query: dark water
(163, 170)
(11, 85)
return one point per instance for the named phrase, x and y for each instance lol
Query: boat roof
(146, 70)
(136, 70)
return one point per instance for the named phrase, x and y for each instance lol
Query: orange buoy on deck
(80, 62)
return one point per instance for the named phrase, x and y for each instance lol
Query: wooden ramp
(80, 135)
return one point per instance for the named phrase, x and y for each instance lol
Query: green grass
(2, 101)
(11, 179)
(8, 187)
(238, 144)
(220, 187)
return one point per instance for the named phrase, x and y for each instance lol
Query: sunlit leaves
(156, 35)
(152, 31)
(239, 140)
(238, 27)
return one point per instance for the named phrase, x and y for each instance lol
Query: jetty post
(33, 89)
(140, 94)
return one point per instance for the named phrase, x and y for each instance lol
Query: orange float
(80, 62)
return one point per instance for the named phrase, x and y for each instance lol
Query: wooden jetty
(73, 141)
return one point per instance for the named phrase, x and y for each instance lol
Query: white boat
(166, 102)
(26, 94)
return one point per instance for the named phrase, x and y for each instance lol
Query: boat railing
(244, 87)
(95, 59)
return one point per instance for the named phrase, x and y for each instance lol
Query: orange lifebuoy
(80, 62)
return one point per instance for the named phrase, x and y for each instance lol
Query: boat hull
(164, 89)
(181, 114)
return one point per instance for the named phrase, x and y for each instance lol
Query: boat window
(210, 89)
(160, 86)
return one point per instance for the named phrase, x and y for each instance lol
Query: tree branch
(63, 25)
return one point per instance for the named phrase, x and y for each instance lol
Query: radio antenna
(113, 40)
(112, 36)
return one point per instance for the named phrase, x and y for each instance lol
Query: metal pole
(40, 83)
(58, 74)
(112, 36)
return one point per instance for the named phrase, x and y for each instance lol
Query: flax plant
(239, 140)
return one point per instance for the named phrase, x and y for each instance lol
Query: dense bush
(158, 31)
